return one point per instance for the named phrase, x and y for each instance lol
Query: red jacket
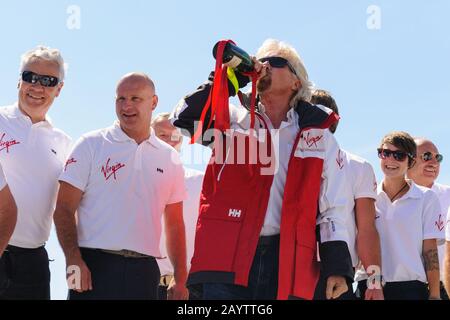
(235, 197)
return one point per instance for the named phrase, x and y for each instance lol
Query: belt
(15, 249)
(126, 253)
(165, 280)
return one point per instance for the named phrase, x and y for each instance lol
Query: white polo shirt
(126, 188)
(403, 226)
(443, 193)
(32, 157)
(360, 183)
(447, 226)
(194, 181)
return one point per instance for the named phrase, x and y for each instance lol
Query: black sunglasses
(45, 81)
(398, 155)
(427, 156)
(279, 62)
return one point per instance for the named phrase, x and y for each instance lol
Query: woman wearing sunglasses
(406, 216)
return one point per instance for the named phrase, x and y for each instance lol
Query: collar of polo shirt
(120, 136)
(15, 112)
(413, 192)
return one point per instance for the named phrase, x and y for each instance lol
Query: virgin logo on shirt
(7, 144)
(440, 224)
(310, 141)
(340, 160)
(70, 161)
(110, 171)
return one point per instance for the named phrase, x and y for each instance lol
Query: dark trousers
(263, 277)
(444, 295)
(402, 290)
(115, 277)
(162, 292)
(195, 292)
(24, 274)
(321, 290)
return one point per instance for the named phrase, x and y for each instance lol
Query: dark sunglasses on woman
(397, 155)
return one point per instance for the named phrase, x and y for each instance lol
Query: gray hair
(160, 117)
(288, 52)
(44, 53)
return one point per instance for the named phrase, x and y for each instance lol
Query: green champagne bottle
(235, 58)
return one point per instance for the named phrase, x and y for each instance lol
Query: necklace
(403, 188)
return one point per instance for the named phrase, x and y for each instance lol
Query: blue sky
(392, 78)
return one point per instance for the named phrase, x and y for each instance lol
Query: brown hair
(325, 99)
(403, 141)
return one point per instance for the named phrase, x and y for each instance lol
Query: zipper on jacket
(224, 163)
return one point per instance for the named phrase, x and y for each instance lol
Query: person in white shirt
(425, 172)
(117, 185)
(32, 154)
(364, 241)
(165, 131)
(407, 216)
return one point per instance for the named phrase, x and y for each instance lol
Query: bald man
(121, 181)
(425, 173)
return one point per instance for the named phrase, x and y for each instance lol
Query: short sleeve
(447, 226)
(433, 219)
(365, 182)
(78, 165)
(178, 188)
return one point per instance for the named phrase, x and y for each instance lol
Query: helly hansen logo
(440, 224)
(7, 144)
(159, 170)
(70, 161)
(110, 171)
(234, 213)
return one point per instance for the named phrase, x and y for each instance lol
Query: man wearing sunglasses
(32, 154)
(256, 233)
(425, 172)
(360, 188)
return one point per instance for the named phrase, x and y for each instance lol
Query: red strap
(218, 97)
(198, 131)
(254, 76)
